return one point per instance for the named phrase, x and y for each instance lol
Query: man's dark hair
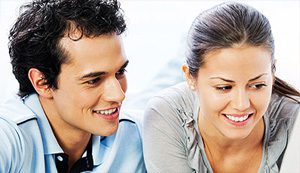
(34, 38)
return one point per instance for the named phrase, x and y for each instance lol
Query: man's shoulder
(16, 111)
(16, 120)
(133, 116)
(125, 146)
(17, 150)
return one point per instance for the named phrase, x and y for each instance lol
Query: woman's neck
(218, 140)
(223, 153)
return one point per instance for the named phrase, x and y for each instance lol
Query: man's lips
(106, 111)
(108, 114)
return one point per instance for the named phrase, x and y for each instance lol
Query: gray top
(172, 142)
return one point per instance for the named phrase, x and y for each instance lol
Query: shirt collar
(196, 106)
(50, 143)
(97, 157)
(100, 145)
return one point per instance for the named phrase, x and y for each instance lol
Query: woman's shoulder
(282, 107)
(179, 97)
(282, 113)
(176, 105)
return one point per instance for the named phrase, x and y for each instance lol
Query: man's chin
(108, 131)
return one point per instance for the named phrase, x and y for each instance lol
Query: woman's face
(234, 87)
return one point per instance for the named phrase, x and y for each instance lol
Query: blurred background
(156, 35)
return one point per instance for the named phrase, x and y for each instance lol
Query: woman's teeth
(106, 112)
(237, 119)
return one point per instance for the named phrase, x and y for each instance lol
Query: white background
(156, 33)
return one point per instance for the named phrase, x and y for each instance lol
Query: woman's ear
(274, 61)
(189, 78)
(39, 82)
(274, 70)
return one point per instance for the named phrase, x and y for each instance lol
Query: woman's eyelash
(258, 86)
(224, 88)
(255, 86)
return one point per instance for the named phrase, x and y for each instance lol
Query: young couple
(232, 115)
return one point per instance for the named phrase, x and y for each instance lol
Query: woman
(232, 114)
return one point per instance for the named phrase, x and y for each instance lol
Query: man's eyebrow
(124, 65)
(231, 81)
(100, 73)
(92, 74)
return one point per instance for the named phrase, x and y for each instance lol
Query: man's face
(91, 86)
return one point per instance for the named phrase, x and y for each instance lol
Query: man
(68, 58)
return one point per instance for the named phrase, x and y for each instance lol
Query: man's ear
(39, 82)
(189, 78)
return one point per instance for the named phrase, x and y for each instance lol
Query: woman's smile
(238, 119)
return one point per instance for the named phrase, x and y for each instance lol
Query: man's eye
(120, 74)
(93, 81)
(223, 88)
(258, 86)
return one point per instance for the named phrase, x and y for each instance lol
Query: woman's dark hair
(34, 38)
(226, 25)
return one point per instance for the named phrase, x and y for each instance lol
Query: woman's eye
(258, 86)
(120, 74)
(223, 88)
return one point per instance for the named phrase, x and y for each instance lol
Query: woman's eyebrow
(231, 81)
(257, 77)
(220, 78)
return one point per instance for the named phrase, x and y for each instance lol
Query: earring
(192, 87)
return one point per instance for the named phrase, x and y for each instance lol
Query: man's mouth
(110, 114)
(106, 112)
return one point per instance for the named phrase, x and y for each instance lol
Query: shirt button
(60, 158)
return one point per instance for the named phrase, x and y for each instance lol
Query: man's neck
(72, 140)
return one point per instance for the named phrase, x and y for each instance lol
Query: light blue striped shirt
(29, 145)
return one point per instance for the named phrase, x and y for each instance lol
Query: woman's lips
(238, 119)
